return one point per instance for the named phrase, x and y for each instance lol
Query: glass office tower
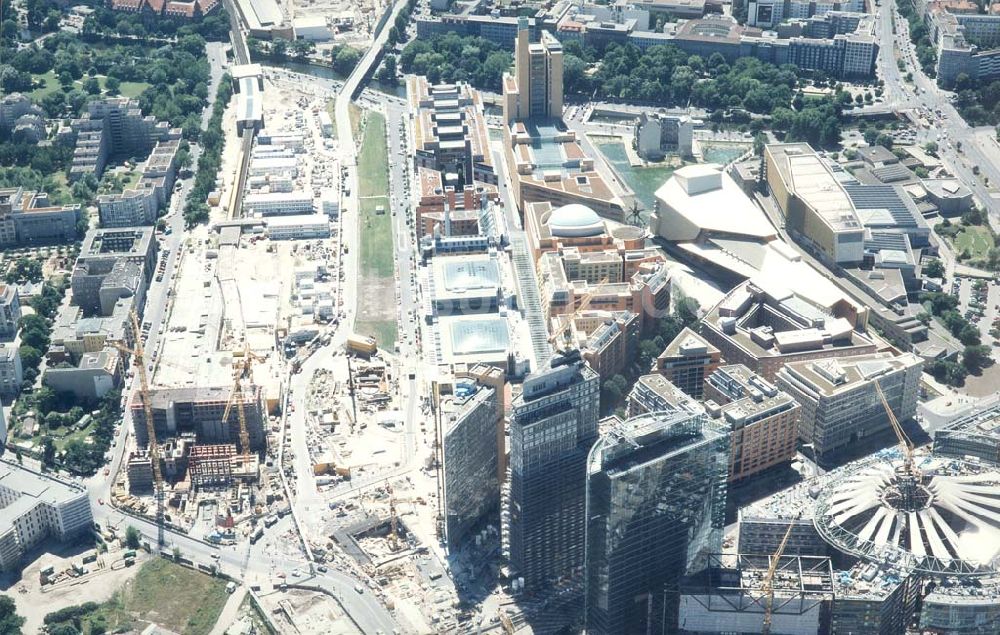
(656, 493)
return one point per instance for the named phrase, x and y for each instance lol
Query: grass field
(51, 85)
(179, 599)
(384, 332)
(131, 89)
(373, 190)
(376, 293)
(974, 239)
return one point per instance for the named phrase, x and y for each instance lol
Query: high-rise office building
(553, 424)
(469, 417)
(535, 90)
(656, 492)
(687, 360)
(840, 404)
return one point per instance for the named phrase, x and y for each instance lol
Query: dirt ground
(311, 613)
(34, 604)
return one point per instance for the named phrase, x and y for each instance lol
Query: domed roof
(575, 220)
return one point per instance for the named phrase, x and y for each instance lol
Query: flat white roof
(708, 198)
(297, 220)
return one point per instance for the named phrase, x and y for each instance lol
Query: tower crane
(768, 582)
(139, 355)
(393, 519)
(908, 476)
(241, 371)
(556, 339)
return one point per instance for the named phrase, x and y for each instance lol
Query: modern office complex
(976, 434)
(909, 537)
(535, 90)
(659, 133)
(656, 490)
(687, 361)
(763, 420)
(966, 42)
(34, 507)
(840, 402)
(764, 329)
(469, 420)
(553, 424)
(126, 255)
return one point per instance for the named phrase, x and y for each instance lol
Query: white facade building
(279, 203)
(299, 227)
(34, 507)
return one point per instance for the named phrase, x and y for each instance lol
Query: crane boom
(772, 568)
(905, 445)
(242, 370)
(139, 355)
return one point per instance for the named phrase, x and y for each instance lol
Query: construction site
(206, 413)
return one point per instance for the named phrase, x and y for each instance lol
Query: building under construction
(200, 411)
(909, 534)
(219, 465)
(729, 596)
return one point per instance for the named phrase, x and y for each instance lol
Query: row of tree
(212, 142)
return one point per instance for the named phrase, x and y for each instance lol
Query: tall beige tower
(535, 90)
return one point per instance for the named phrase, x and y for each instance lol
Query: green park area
(975, 240)
(178, 599)
(376, 311)
(48, 82)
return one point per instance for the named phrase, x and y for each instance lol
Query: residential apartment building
(10, 311)
(113, 264)
(11, 374)
(687, 360)
(553, 424)
(653, 393)
(659, 133)
(656, 492)
(763, 421)
(28, 218)
(840, 403)
(35, 507)
(140, 205)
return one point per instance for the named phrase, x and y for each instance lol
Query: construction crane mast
(242, 370)
(768, 583)
(139, 356)
(908, 476)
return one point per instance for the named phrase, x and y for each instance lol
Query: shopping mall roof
(809, 178)
(473, 338)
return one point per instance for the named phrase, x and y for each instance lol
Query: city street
(960, 146)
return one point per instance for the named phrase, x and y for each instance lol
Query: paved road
(961, 147)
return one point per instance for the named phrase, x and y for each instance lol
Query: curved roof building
(574, 220)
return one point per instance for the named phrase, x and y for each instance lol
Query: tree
(387, 73)
(112, 85)
(279, 48)
(65, 628)
(302, 48)
(345, 58)
(10, 621)
(616, 388)
(48, 452)
(969, 334)
(132, 537)
(934, 269)
(975, 357)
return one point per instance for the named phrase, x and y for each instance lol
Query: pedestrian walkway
(230, 611)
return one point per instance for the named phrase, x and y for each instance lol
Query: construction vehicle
(558, 339)
(139, 357)
(242, 370)
(506, 623)
(768, 582)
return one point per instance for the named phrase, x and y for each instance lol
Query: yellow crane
(566, 321)
(905, 445)
(768, 582)
(241, 371)
(139, 356)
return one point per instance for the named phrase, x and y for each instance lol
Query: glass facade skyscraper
(656, 494)
(469, 436)
(553, 424)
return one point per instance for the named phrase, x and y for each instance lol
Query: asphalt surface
(960, 146)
